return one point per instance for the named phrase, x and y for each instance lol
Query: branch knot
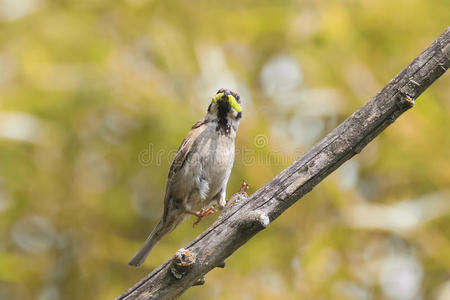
(256, 218)
(182, 262)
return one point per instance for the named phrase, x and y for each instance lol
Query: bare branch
(242, 220)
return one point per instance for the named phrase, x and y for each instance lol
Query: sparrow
(200, 171)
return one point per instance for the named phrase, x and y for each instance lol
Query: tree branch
(242, 220)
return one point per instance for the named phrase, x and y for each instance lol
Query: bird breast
(206, 170)
(217, 161)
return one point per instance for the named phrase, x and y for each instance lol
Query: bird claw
(203, 213)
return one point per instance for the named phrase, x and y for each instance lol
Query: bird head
(225, 104)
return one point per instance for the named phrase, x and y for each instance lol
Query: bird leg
(202, 213)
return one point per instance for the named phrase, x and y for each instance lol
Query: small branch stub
(182, 262)
(405, 99)
(409, 100)
(256, 218)
(263, 218)
(235, 199)
(239, 196)
(200, 281)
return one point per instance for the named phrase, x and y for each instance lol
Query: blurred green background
(96, 96)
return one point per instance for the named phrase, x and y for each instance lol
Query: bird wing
(180, 159)
(185, 147)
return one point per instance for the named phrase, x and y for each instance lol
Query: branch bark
(244, 219)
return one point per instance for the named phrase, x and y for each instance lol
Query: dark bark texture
(246, 217)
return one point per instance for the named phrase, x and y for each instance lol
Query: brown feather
(182, 152)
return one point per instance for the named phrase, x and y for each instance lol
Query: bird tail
(160, 230)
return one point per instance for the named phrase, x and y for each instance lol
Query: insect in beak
(234, 104)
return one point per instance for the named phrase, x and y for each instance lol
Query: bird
(200, 170)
